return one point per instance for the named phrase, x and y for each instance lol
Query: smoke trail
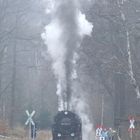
(67, 13)
(62, 36)
(78, 102)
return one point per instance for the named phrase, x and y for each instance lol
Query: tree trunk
(13, 88)
(119, 99)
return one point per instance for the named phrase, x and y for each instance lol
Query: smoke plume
(63, 37)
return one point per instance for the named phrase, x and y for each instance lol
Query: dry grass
(41, 135)
(4, 128)
(44, 135)
(20, 133)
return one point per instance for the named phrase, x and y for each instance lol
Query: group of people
(105, 134)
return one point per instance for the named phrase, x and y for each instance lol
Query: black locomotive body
(67, 126)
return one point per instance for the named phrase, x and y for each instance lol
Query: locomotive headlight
(66, 113)
(59, 135)
(72, 134)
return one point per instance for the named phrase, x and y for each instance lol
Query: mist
(77, 55)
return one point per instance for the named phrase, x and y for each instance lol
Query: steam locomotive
(67, 126)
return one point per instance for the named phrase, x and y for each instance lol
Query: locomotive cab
(67, 126)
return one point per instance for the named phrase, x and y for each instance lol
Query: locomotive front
(67, 126)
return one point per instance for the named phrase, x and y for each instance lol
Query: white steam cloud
(81, 108)
(78, 103)
(85, 27)
(57, 50)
